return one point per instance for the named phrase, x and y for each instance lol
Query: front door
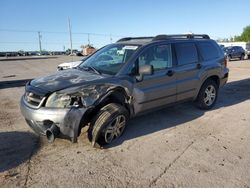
(159, 88)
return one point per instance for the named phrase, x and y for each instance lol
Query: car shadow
(13, 83)
(231, 94)
(16, 148)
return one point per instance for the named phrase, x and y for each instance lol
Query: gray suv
(122, 80)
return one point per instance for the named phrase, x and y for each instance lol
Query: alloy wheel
(210, 95)
(115, 128)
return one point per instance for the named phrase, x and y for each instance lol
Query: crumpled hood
(64, 79)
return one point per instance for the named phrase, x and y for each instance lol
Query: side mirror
(144, 70)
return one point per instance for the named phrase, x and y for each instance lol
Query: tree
(245, 35)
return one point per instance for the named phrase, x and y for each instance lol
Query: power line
(39, 39)
(60, 32)
(44, 42)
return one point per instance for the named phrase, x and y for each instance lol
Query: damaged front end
(62, 112)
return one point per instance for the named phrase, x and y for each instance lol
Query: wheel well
(216, 79)
(117, 96)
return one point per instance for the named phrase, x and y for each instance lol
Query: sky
(109, 20)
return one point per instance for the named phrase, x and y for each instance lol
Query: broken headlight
(77, 96)
(57, 100)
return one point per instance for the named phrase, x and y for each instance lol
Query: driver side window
(160, 57)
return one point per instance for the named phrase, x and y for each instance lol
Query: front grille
(33, 99)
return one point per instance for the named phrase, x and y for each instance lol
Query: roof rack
(134, 38)
(181, 36)
(167, 37)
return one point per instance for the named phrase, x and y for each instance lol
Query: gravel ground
(179, 146)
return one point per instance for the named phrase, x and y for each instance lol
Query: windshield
(109, 59)
(228, 49)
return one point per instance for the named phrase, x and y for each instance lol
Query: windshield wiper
(92, 68)
(95, 70)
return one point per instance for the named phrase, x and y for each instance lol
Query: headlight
(62, 101)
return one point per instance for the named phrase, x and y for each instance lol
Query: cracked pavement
(179, 146)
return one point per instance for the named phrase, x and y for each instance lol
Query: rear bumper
(224, 79)
(66, 119)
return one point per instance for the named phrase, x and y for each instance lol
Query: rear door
(187, 69)
(235, 52)
(160, 88)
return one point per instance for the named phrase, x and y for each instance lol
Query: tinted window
(208, 50)
(186, 53)
(241, 49)
(158, 56)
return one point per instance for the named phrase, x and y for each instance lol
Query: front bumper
(68, 120)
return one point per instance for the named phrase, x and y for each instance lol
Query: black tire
(203, 96)
(242, 56)
(229, 58)
(104, 121)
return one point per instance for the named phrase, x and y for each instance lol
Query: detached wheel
(108, 124)
(207, 96)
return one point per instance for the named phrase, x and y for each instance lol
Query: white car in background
(70, 65)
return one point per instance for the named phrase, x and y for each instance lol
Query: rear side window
(186, 53)
(208, 50)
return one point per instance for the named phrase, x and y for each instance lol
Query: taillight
(225, 61)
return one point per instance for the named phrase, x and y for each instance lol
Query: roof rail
(181, 36)
(166, 37)
(133, 38)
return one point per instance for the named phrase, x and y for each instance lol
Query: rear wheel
(242, 56)
(207, 96)
(108, 124)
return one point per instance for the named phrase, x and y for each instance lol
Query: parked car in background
(33, 53)
(43, 53)
(248, 50)
(70, 65)
(244, 45)
(74, 53)
(22, 53)
(57, 53)
(11, 54)
(109, 88)
(234, 52)
(2, 54)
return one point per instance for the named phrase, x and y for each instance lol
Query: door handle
(170, 73)
(199, 66)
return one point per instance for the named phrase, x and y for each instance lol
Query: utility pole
(88, 39)
(110, 38)
(70, 36)
(39, 39)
